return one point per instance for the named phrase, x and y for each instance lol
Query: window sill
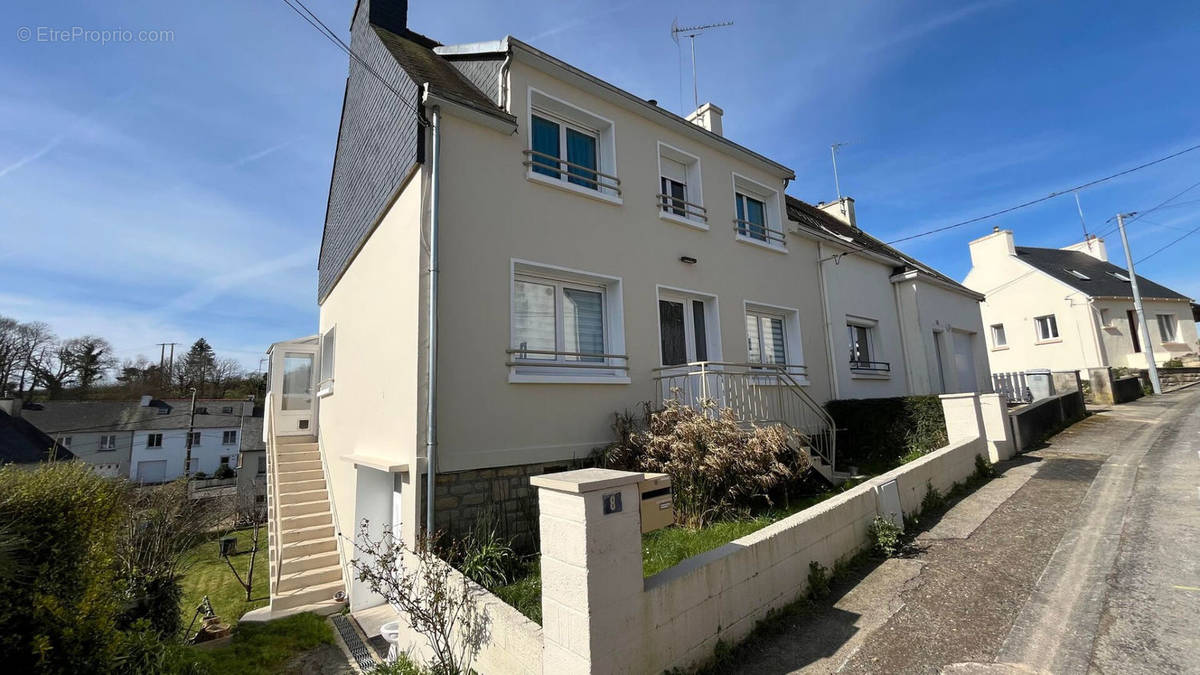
(547, 378)
(325, 389)
(1003, 348)
(571, 187)
(761, 244)
(870, 376)
(680, 220)
(1048, 342)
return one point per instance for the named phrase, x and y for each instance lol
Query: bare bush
(717, 466)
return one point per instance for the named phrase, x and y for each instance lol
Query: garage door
(152, 472)
(964, 361)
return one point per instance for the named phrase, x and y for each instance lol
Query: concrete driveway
(1083, 556)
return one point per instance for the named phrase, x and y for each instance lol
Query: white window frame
(712, 322)
(64, 441)
(693, 190)
(566, 115)
(999, 337)
(225, 435)
(328, 354)
(793, 343)
(108, 442)
(549, 371)
(874, 353)
(1173, 322)
(1052, 323)
(192, 439)
(772, 212)
(154, 440)
(227, 410)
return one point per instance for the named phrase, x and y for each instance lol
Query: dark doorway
(1133, 331)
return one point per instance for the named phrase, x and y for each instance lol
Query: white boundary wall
(601, 616)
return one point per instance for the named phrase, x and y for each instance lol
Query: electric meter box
(655, 491)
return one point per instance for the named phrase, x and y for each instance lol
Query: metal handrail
(552, 352)
(740, 387)
(273, 472)
(555, 363)
(337, 523)
(745, 227)
(677, 204)
(877, 366)
(572, 165)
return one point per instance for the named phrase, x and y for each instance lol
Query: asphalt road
(1083, 556)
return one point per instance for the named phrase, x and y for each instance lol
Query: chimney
(11, 406)
(146, 399)
(708, 116)
(998, 244)
(391, 15)
(1093, 246)
(842, 209)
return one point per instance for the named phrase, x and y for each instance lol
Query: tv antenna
(691, 32)
(833, 151)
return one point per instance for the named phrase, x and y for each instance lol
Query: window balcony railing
(859, 366)
(758, 231)
(558, 359)
(682, 208)
(560, 169)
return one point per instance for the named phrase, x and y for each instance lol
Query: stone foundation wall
(502, 494)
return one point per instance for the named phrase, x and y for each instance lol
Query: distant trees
(33, 358)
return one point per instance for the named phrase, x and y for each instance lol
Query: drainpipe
(829, 358)
(431, 365)
(502, 85)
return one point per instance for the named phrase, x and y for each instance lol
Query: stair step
(311, 547)
(305, 596)
(316, 576)
(307, 562)
(286, 458)
(287, 476)
(288, 466)
(302, 508)
(295, 440)
(311, 533)
(305, 485)
(306, 520)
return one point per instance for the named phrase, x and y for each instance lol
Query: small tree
(248, 512)
(437, 602)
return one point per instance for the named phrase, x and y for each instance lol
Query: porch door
(964, 361)
(683, 328)
(293, 384)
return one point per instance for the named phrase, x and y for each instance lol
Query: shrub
(983, 469)
(717, 468)
(224, 471)
(487, 558)
(933, 499)
(818, 580)
(881, 431)
(886, 536)
(199, 475)
(1173, 363)
(59, 612)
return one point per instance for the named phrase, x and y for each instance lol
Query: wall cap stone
(945, 397)
(585, 480)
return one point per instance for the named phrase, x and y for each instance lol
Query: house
(1071, 309)
(146, 440)
(514, 250)
(22, 442)
(896, 326)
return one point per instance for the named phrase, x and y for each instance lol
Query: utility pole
(1137, 307)
(187, 462)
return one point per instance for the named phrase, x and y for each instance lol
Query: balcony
(552, 170)
(759, 232)
(870, 367)
(681, 208)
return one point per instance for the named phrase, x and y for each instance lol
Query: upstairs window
(193, 439)
(570, 145)
(1046, 327)
(752, 217)
(757, 217)
(154, 440)
(1168, 327)
(64, 441)
(228, 437)
(328, 359)
(679, 183)
(999, 338)
(108, 442)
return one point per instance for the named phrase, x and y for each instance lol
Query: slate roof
(816, 220)
(414, 53)
(59, 416)
(23, 443)
(1100, 283)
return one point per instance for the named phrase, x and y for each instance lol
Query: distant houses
(22, 442)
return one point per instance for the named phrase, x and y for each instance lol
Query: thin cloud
(254, 157)
(29, 159)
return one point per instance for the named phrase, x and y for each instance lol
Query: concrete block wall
(1031, 423)
(601, 616)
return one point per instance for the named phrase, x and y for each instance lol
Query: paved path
(1084, 556)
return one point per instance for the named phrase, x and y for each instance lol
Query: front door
(684, 328)
(1133, 330)
(964, 361)
(293, 383)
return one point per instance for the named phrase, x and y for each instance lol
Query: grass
(207, 574)
(261, 648)
(663, 549)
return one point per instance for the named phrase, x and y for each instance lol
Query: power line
(1170, 244)
(313, 20)
(1163, 203)
(1052, 195)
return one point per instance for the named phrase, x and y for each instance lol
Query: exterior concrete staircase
(305, 544)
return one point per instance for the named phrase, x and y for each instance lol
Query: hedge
(878, 434)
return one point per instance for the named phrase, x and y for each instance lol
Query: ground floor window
(1167, 327)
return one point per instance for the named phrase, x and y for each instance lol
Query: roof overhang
(492, 119)
(921, 275)
(543, 62)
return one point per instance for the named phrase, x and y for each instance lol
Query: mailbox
(655, 492)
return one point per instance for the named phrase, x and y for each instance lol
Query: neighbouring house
(1071, 309)
(252, 461)
(146, 440)
(896, 325)
(593, 251)
(23, 443)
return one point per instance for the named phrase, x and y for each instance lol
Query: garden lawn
(262, 648)
(207, 574)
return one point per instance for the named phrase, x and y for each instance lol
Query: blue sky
(160, 191)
